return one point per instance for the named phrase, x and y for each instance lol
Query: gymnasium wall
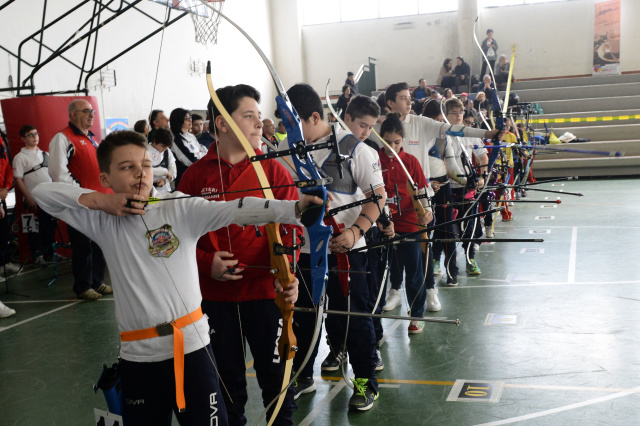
(234, 59)
(553, 39)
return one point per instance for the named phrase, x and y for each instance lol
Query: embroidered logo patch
(376, 166)
(414, 142)
(162, 241)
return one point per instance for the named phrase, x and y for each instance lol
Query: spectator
(31, 167)
(446, 78)
(381, 101)
(73, 160)
(281, 134)
(486, 85)
(6, 182)
(481, 101)
(352, 83)
(489, 47)
(157, 119)
(502, 70)
(268, 135)
(186, 147)
(447, 94)
(343, 100)
(331, 118)
(142, 126)
(435, 95)
(162, 160)
(420, 94)
(197, 128)
(462, 72)
(464, 96)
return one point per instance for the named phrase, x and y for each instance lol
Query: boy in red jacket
(233, 262)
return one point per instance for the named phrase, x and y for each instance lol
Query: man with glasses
(73, 160)
(30, 168)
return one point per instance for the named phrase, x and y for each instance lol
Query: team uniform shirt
(364, 166)
(152, 260)
(26, 160)
(393, 175)
(467, 143)
(187, 149)
(212, 175)
(160, 172)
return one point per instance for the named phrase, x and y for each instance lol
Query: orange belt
(166, 329)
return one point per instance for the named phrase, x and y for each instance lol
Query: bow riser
(319, 233)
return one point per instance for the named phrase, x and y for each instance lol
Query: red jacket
(204, 177)
(393, 174)
(6, 173)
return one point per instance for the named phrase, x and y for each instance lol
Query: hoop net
(206, 22)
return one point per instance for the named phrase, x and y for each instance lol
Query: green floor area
(570, 358)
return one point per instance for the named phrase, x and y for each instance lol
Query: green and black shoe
(363, 395)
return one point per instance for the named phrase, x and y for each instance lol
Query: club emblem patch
(162, 241)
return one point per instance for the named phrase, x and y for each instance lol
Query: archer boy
(362, 171)
(237, 300)
(167, 360)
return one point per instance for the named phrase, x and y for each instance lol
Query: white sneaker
(488, 232)
(12, 267)
(393, 300)
(433, 304)
(40, 262)
(6, 311)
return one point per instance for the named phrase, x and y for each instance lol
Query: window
(329, 11)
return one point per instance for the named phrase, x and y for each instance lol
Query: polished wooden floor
(571, 358)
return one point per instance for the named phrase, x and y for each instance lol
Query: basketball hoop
(206, 22)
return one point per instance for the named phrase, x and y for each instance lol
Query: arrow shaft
(368, 315)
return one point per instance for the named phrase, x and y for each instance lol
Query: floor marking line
(319, 407)
(561, 409)
(39, 316)
(572, 255)
(539, 284)
(11, 302)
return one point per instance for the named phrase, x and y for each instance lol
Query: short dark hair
(468, 113)
(140, 126)
(489, 31)
(361, 106)
(392, 124)
(176, 119)
(163, 137)
(25, 129)
(349, 74)
(154, 115)
(230, 97)
(345, 87)
(382, 103)
(305, 100)
(392, 91)
(195, 117)
(431, 109)
(421, 80)
(114, 140)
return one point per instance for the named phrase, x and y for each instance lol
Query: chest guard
(438, 148)
(347, 184)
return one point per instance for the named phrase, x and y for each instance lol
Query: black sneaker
(363, 396)
(452, 281)
(332, 362)
(303, 385)
(379, 363)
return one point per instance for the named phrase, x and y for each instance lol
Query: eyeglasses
(88, 111)
(31, 135)
(188, 118)
(455, 113)
(469, 123)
